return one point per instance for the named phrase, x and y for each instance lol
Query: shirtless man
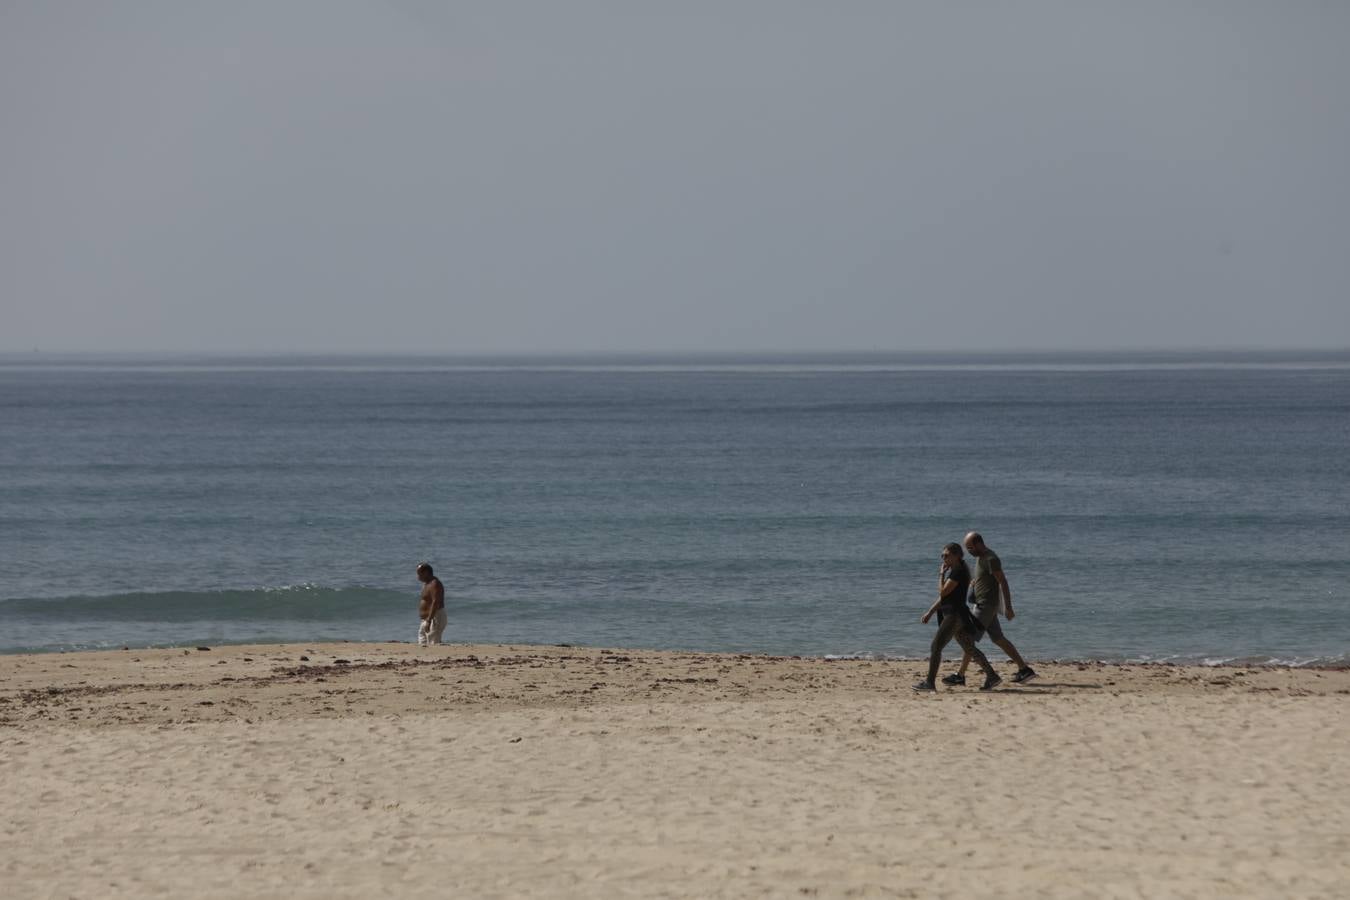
(431, 608)
(987, 586)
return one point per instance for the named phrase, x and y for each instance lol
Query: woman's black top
(956, 600)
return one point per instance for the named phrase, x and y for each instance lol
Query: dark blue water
(1144, 508)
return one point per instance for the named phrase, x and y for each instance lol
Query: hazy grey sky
(570, 176)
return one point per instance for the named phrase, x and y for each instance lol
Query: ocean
(1179, 507)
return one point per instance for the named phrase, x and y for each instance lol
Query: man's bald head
(974, 543)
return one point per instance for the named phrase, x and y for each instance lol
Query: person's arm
(945, 587)
(437, 596)
(932, 609)
(1007, 592)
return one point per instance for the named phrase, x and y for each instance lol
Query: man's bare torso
(433, 598)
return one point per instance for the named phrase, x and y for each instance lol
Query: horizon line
(1168, 351)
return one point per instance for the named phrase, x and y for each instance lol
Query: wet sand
(347, 770)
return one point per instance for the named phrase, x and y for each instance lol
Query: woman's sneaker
(924, 686)
(954, 679)
(1024, 675)
(991, 682)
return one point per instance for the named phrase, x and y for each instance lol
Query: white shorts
(429, 631)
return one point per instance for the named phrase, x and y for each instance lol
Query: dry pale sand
(356, 770)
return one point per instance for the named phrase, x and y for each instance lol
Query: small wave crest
(1280, 662)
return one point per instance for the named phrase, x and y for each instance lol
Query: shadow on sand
(1043, 687)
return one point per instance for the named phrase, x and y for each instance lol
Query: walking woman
(954, 619)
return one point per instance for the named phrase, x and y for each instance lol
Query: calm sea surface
(1193, 508)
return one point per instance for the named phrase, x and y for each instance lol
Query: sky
(503, 177)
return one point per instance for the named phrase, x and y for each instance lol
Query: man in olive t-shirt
(987, 585)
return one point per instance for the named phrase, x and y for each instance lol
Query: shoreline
(352, 769)
(1319, 664)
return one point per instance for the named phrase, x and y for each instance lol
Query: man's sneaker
(991, 682)
(924, 686)
(954, 679)
(1024, 675)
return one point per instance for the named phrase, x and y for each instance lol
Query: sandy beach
(353, 770)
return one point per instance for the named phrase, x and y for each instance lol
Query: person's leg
(967, 643)
(987, 617)
(995, 632)
(437, 626)
(1007, 647)
(946, 631)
